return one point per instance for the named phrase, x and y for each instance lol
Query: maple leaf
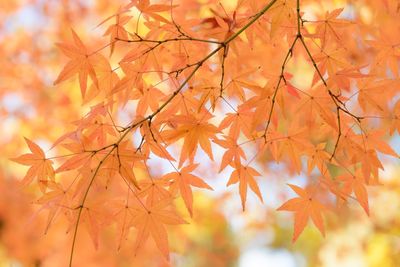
(330, 60)
(238, 82)
(151, 137)
(293, 145)
(182, 104)
(117, 30)
(40, 167)
(54, 199)
(196, 131)
(387, 47)
(107, 79)
(370, 96)
(370, 164)
(317, 157)
(244, 175)
(320, 103)
(149, 98)
(374, 140)
(154, 190)
(282, 14)
(151, 221)
(238, 122)
(221, 27)
(122, 215)
(94, 216)
(147, 9)
(132, 81)
(305, 206)
(355, 183)
(327, 28)
(183, 181)
(81, 62)
(79, 158)
(234, 151)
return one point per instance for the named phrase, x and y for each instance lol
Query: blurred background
(219, 234)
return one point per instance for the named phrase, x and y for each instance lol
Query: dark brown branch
(339, 133)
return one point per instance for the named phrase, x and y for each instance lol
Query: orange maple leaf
(150, 10)
(81, 62)
(41, 168)
(233, 153)
(117, 30)
(356, 183)
(150, 221)
(184, 179)
(244, 175)
(196, 131)
(305, 207)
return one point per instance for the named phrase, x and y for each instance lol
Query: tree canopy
(141, 107)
